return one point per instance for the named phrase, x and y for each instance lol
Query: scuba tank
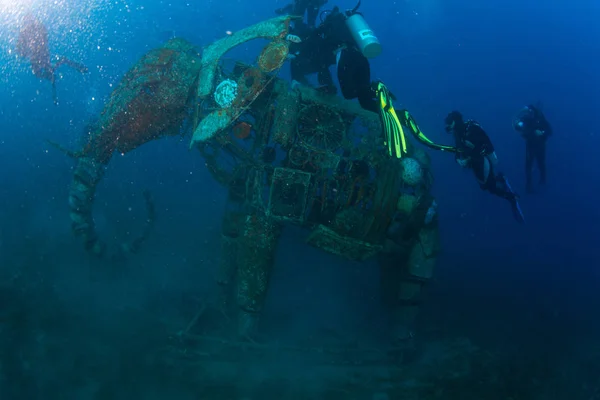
(364, 37)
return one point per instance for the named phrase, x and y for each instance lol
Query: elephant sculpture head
(159, 97)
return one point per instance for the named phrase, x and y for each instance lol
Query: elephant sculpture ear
(88, 174)
(232, 97)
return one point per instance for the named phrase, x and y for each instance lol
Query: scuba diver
(32, 45)
(302, 7)
(535, 129)
(476, 151)
(309, 55)
(345, 39)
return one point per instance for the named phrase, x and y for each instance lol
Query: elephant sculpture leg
(401, 293)
(228, 264)
(81, 201)
(404, 272)
(256, 256)
(88, 174)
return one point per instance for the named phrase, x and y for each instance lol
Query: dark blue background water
(528, 288)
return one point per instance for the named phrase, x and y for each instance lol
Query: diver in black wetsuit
(535, 129)
(311, 56)
(302, 7)
(329, 44)
(345, 39)
(476, 151)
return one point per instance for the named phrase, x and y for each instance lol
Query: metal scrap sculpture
(317, 162)
(286, 156)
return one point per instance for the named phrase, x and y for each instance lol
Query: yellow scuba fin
(410, 122)
(394, 133)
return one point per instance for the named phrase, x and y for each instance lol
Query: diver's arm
(462, 157)
(545, 127)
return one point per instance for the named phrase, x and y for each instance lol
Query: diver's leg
(481, 168)
(529, 154)
(541, 160)
(298, 72)
(325, 80)
(354, 75)
(496, 184)
(75, 65)
(227, 270)
(500, 187)
(53, 81)
(345, 74)
(54, 97)
(367, 100)
(490, 182)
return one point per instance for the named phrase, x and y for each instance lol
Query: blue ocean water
(511, 311)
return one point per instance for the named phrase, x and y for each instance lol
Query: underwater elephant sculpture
(159, 97)
(296, 157)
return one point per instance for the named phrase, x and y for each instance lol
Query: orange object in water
(242, 130)
(273, 56)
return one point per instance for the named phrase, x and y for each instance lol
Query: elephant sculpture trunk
(88, 173)
(151, 101)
